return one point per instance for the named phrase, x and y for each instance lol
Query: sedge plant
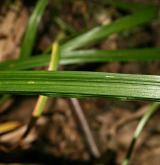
(85, 84)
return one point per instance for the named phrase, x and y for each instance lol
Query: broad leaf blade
(81, 84)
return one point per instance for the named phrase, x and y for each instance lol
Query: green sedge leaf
(81, 84)
(32, 28)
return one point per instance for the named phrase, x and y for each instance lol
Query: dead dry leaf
(11, 31)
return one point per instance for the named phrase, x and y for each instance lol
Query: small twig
(85, 128)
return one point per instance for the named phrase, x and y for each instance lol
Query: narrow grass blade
(152, 109)
(98, 33)
(85, 56)
(32, 27)
(81, 84)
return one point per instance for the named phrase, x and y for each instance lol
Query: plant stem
(146, 117)
(42, 100)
